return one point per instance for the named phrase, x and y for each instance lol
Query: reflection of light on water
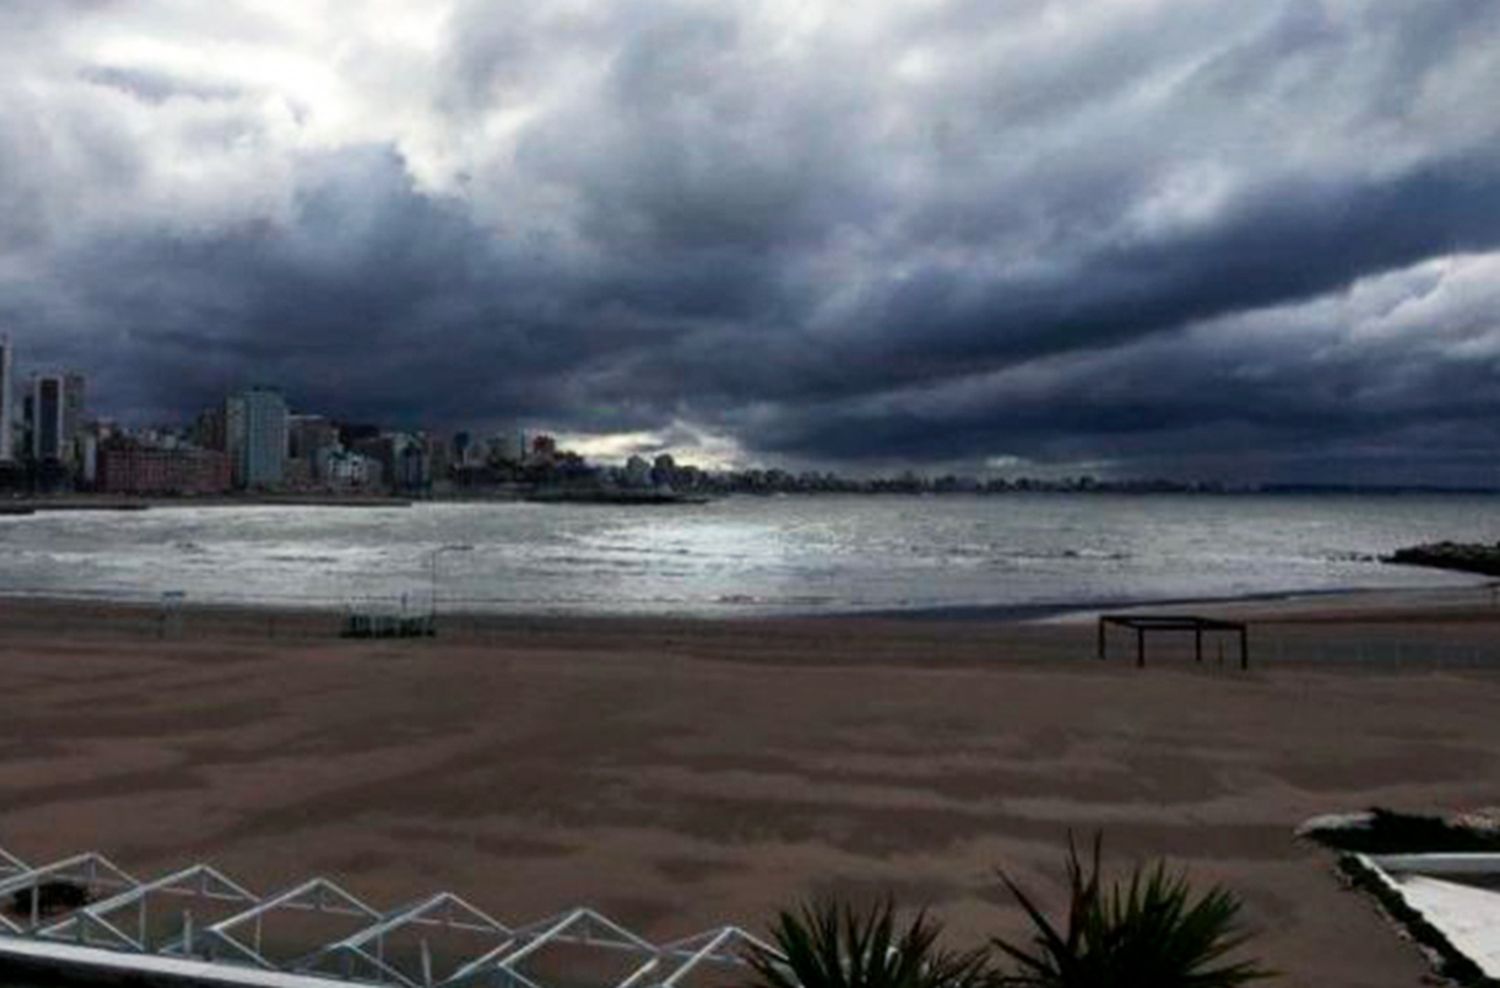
(746, 555)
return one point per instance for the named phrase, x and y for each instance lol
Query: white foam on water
(769, 555)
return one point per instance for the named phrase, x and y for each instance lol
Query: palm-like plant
(1149, 932)
(833, 945)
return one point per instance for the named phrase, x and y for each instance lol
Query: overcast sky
(1247, 240)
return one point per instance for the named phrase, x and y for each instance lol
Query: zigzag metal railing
(89, 870)
(124, 921)
(93, 925)
(448, 911)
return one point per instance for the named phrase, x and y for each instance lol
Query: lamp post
(433, 560)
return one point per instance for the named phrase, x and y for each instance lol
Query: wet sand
(681, 774)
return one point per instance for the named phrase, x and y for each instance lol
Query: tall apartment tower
(7, 403)
(47, 418)
(57, 402)
(255, 427)
(75, 393)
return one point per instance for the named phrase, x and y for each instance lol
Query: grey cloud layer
(1147, 236)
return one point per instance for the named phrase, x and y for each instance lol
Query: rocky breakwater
(1465, 557)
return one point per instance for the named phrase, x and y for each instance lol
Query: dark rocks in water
(51, 897)
(1461, 556)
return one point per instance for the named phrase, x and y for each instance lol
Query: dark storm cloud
(1285, 392)
(1133, 235)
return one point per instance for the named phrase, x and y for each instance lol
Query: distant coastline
(25, 505)
(95, 502)
(614, 496)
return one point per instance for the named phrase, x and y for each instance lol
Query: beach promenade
(678, 774)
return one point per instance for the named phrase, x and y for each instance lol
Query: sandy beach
(678, 774)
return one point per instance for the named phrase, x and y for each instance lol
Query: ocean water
(745, 555)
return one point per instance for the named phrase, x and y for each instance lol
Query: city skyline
(269, 445)
(252, 442)
(1247, 242)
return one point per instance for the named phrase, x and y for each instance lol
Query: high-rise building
(256, 435)
(48, 443)
(28, 418)
(75, 389)
(403, 458)
(209, 428)
(311, 434)
(7, 403)
(463, 447)
(509, 446)
(57, 408)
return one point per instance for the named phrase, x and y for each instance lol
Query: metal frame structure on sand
(129, 927)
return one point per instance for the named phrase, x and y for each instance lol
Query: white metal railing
(120, 926)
